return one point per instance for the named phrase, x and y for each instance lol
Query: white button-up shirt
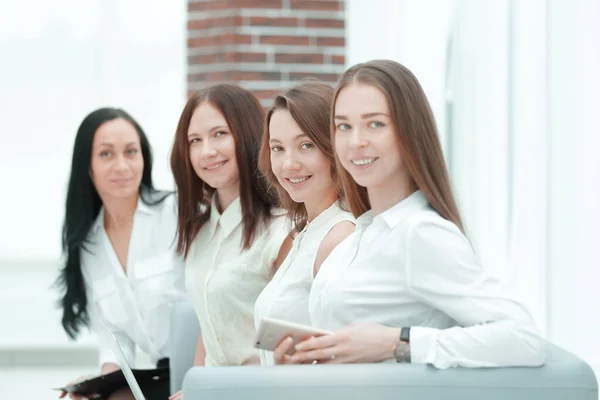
(223, 281)
(409, 267)
(286, 296)
(135, 305)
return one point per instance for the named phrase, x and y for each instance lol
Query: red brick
(258, 3)
(338, 60)
(204, 59)
(298, 58)
(235, 38)
(213, 5)
(207, 23)
(285, 40)
(324, 23)
(254, 76)
(318, 5)
(207, 76)
(281, 21)
(331, 41)
(245, 57)
(323, 77)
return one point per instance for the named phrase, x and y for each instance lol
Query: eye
(194, 140)
(276, 149)
(343, 127)
(105, 154)
(220, 133)
(375, 124)
(306, 146)
(132, 152)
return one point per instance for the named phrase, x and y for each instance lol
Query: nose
(121, 164)
(290, 163)
(207, 150)
(357, 139)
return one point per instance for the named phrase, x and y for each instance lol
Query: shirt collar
(393, 215)
(230, 219)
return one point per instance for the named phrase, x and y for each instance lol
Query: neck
(226, 196)
(118, 213)
(386, 196)
(315, 207)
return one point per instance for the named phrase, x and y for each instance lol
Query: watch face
(402, 352)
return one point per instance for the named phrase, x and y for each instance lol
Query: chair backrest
(184, 331)
(564, 377)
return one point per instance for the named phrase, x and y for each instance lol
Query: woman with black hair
(119, 240)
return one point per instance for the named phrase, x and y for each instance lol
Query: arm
(200, 356)
(443, 272)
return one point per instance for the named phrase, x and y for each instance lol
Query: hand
(75, 396)
(280, 354)
(355, 343)
(176, 396)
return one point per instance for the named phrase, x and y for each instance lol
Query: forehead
(283, 126)
(205, 117)
(360, 98)
(117, 131)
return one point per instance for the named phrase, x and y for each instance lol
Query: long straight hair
(309, 104)
(82, 208)
(245, 117)
(418, 138)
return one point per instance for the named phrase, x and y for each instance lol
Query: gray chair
(564, 377)
(184, 332)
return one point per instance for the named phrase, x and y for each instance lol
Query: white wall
(61, 59)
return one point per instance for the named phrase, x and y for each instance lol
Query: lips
(216, 165)
(124, 181)
(298, 179)
(364, 161)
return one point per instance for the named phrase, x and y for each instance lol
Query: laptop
(122, 361)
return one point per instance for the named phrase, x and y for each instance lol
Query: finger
(282, 348)
(318, 355)
(318, 342)
(62, 394)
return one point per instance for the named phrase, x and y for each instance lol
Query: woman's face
(117, 164)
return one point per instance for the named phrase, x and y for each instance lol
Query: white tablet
(272, 331)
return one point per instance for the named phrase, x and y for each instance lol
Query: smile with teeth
(363, 161)
(299, 179)
(215, 166)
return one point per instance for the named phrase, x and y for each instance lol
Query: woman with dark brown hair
(228, 230)
(406, 285)
(296, 156)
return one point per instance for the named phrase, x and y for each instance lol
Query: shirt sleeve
(494, 330)
(106, 354)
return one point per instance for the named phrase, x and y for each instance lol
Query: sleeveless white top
(286, 295)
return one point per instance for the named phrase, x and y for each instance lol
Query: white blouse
(409, 267)
(135, 305)
(223, 281)
(286, 296)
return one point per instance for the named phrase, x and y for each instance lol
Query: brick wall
(264, 45)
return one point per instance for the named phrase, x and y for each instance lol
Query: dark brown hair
(414, 124)
(245, 117)
(309, 104)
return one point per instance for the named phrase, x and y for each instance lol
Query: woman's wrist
(389, 342)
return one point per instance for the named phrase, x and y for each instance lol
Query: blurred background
(514, 86)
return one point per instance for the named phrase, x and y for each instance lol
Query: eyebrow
(213, 129)
(363, 116)
(295, 138)
(112, 145)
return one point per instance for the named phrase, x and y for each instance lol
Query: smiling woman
(229, 230)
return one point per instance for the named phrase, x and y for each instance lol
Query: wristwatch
(402, 350)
